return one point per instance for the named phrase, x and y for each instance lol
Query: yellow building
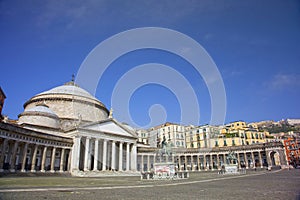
(240, 133)
(200, 136)
(234, 134)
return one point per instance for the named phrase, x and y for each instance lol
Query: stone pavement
(284, 184)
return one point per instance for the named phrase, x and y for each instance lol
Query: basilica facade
(67, 129)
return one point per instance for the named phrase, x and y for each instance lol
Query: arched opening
(275, 159)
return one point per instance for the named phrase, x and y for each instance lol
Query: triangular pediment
(111, 127)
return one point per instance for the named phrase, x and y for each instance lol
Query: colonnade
(98, 154)
(33, 156)
(203, 161)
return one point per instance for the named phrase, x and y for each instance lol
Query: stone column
(13, 157)
(33, 160)
(218, 162)
(3, 152)
(192, 163)
(24, 156)
(133, 157)
(113, 156)
(75, 154)
(9, 153)
(69, 160)
(224, 158)
(121, 156)
(62, 158)
(239, 160)
(260, 158)
(86, 154)
(53, 159)
(142, 163)
(96, 150)
(253, 159)
(108, 158)
(204, 162)
(185, 162)
(148, 163)
(90, 167)
(179, 162)
(104, 155)
(198, 162)
(127, 156)
(44, 159)
(246, 160)
(211, 161)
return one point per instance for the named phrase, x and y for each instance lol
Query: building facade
(169, 133)
(67, 129)
(292, 150)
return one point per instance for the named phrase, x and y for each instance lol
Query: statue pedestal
(231, 169)
(164, 170)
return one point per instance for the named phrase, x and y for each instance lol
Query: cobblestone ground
(283, 185)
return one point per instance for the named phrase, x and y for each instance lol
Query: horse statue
(231, 158)
(166, 148)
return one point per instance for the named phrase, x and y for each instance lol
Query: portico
(99, 147)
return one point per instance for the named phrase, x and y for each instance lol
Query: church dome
(69, 88)
(40, 115)
(70, 103)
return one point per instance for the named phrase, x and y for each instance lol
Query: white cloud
(284, 81)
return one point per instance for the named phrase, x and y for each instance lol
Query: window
(216, 143)
(256, 136)
(233, 143)
(243, 143)
(198, 145)
(225, 143)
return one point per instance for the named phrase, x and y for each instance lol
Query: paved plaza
(282, 184)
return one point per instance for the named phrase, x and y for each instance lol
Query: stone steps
(105, 173)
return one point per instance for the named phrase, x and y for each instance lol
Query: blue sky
(255, 45)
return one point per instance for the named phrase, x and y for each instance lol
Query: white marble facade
(103, 146)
